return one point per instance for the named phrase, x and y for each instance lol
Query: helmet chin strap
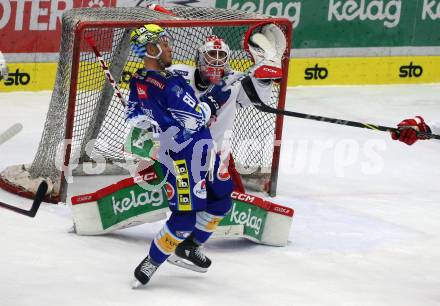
(157, 56)
(161, 64)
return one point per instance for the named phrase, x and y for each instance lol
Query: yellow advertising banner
(29, 77)
(364, 70)
(302, 72)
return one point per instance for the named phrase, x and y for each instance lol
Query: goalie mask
(212, 59)
(149, 34)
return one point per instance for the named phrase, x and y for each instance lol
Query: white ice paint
(370, 239)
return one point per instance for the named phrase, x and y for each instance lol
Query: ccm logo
(269, 70)
(316, 73)
(281, 210)
(411, 71)
(242, 197)
(84, 198)
(146, 177)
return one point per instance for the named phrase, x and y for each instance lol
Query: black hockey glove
(216, 96)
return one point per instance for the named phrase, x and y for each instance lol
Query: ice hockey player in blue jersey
(163, 102)
(266, 46)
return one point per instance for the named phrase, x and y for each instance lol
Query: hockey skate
(189, 255)
(143, 273)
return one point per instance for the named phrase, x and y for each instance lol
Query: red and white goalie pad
(125, 204)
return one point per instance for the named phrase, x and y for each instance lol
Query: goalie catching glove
(266, 48)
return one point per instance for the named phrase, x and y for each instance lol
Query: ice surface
(366, 229)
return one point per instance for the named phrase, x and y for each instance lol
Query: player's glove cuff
(211, 102)
(411, 130)
(268, 72)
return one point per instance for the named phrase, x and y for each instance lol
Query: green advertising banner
(250, 216)
(133, 200)
(353, 23)
(130, 202)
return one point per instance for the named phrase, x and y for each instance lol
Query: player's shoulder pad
(182, 69)
(164, 79)
(165, 74)
(140, 74)
(159, 79)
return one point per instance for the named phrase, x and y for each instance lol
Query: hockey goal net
(85, 111)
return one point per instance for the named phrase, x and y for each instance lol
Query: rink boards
(302, 71)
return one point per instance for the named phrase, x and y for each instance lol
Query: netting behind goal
(84, 108)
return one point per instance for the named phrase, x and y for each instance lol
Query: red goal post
(85, 111)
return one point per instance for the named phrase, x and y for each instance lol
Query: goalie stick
(39, 196)
(260, 105)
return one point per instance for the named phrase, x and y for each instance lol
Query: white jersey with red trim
(221, 127)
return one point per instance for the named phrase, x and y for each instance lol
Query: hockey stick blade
(39, 196)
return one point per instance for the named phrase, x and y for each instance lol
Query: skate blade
(180, 262)
(136, 284)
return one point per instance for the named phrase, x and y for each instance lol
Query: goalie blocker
(126, 203)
